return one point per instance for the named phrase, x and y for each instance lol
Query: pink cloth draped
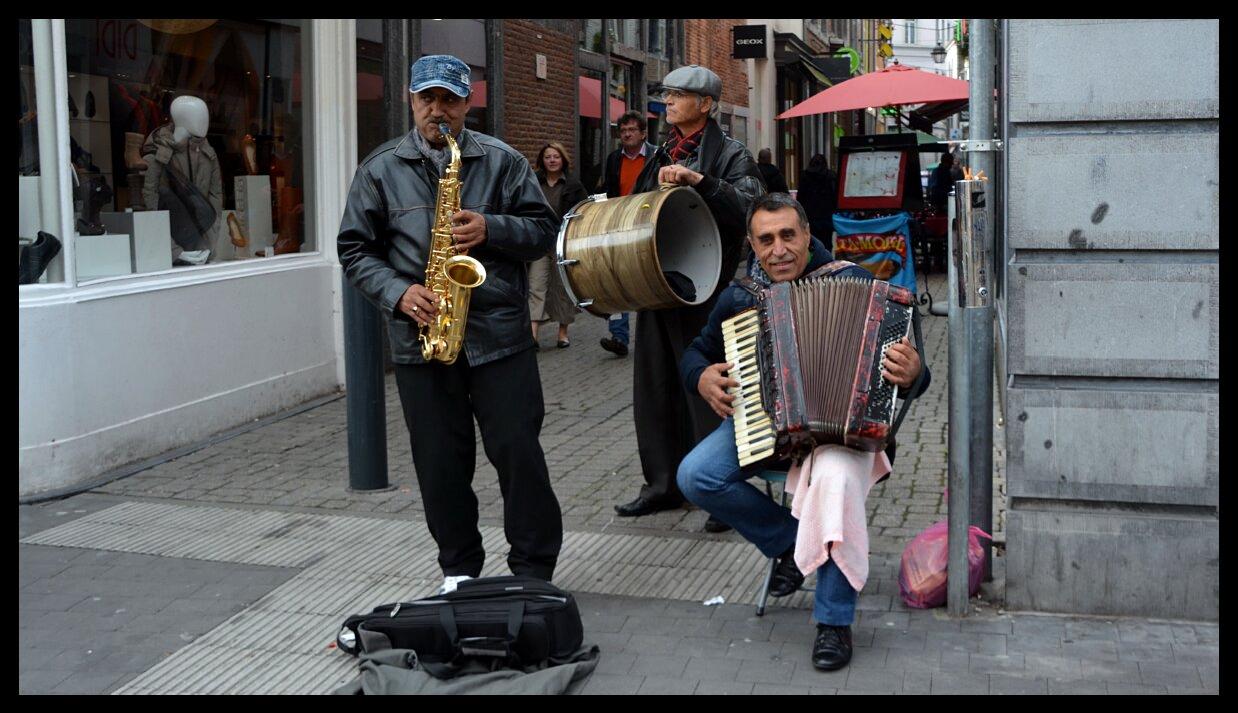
(829, 504)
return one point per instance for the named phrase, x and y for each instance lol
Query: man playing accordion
(710, 475)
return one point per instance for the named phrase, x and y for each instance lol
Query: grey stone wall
(1111, 301)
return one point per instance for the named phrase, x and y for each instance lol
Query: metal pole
(959, 429)
(363, 379)
(363, 324)
(971, 382)
(983, 48)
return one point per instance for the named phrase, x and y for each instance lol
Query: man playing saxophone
(385, 244)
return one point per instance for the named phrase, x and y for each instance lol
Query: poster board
(880, 245)
(872, 180)
(879, 172)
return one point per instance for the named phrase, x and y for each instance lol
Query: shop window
(593, 141)
(40, 253)
(465, 39)
(657, 37)
(739, 129)
(620, 86)
(188, 142)
(371, 113)
(591, 36)
(627, 33)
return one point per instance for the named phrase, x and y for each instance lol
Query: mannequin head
(190, 116)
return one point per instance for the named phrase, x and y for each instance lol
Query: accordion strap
(749, 285)
(753, 287)
(831, 268)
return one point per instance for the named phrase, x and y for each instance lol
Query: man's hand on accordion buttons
(712, 387)
(901, 364)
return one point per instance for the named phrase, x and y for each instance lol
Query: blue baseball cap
(440, 70)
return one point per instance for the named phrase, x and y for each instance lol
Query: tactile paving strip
(282, 644)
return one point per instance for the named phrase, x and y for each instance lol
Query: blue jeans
(618, 326)
(710, 477)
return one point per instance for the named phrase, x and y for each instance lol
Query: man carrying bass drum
(669, 420)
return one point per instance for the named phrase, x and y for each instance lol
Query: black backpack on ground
(513, 622)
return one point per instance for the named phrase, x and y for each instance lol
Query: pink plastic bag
(922, 574)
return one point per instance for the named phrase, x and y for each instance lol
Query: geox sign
(748, 42)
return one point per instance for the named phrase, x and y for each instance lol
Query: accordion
(808, 363)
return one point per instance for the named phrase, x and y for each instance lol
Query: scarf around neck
(440, 157)
(680, 147)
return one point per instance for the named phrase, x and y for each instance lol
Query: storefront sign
(835, 69)
(748, 42)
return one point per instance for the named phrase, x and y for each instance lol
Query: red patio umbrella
(894, 85)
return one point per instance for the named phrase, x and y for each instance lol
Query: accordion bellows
(808, 360)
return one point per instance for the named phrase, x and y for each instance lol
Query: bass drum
(624, 254)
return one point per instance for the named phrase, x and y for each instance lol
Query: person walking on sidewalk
(623, 166)
(711, 477)
(548, 300)
(774, 182)
(670, 420)
(818, 194)
(504, 222)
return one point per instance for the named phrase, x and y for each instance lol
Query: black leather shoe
(713, 524)
(33, 259)
(614, 346)
(642, 506)
(787, 577)
(832, 648)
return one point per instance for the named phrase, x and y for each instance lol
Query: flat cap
(696, 79)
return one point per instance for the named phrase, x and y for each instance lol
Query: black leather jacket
(731, 183)
(384, 239)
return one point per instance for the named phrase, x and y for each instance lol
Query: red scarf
(681, 147)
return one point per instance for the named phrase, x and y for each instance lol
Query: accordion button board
(754, 430)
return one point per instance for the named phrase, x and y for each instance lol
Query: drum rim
(561, 247)
(718, 245)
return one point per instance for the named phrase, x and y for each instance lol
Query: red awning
(591, 100)
(892, 86)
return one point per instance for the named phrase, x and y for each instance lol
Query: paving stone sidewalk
(103, 617)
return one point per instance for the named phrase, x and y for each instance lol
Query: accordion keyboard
(754, 431)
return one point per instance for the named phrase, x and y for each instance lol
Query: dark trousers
(439, 403)
(669, 420)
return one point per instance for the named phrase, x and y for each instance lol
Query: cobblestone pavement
(650, 644)
(590, 444)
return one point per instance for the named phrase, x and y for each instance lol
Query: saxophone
(450, 276)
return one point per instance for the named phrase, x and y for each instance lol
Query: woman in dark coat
(548, 301)
(818, 193)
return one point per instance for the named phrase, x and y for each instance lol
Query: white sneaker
(196, 257)
(451, 582)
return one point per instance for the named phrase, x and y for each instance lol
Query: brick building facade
(708, 43)
(535, 110)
